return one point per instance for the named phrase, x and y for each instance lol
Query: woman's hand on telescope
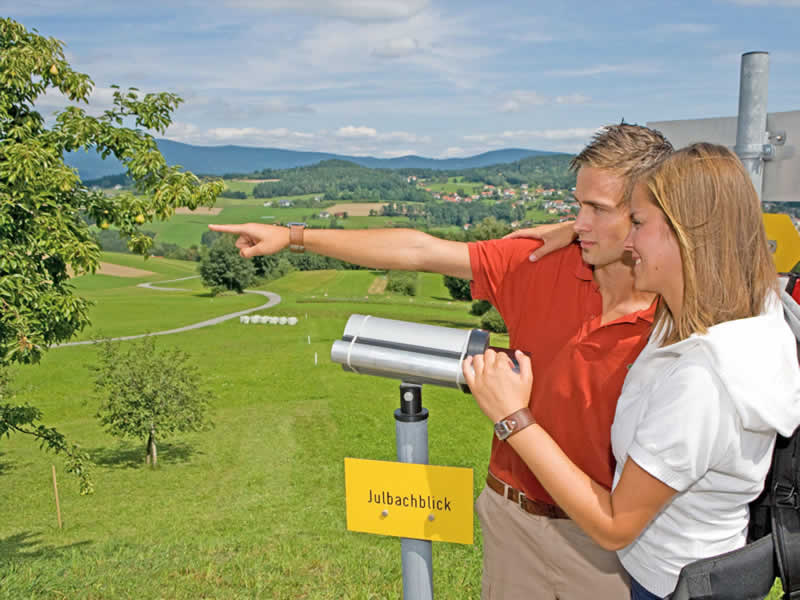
(498, 390)
(554, 237)
(256, 239)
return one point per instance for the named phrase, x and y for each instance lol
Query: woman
(696, 421)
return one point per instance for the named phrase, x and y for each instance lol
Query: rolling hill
(219, 160)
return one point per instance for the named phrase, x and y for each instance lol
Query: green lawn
(254, 508)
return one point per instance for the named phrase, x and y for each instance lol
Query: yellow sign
(784, 241)
(408, 500)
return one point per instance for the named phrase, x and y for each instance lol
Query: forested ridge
(337, 180)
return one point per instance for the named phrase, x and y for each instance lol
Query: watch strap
(515, 422)
(296, 238)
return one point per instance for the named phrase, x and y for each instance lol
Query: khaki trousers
(537, 558)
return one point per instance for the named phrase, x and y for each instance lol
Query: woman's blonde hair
(714, 211)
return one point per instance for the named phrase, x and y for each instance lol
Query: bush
(402, 282)
(479, 307)
(492, 321)
(459, 288)
(222, 268)
(233, 194)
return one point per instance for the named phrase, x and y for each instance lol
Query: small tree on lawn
(221, 267)
(149, 394)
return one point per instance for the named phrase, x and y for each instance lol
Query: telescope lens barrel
(410, 352)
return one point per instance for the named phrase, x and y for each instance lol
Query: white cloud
(352, 10)
(246, 136)
(690, 28)
(603, 69)
(453, 152)
(520, 100)
(404, 136)
(397, 153)
(350, 139)
(570, 137)
(396, 48)
(351, 131)
(363, 132)
(573, 99)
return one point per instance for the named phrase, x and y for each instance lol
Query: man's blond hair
(712, 208)
(626, 150)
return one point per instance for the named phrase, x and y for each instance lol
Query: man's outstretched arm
(400, 249)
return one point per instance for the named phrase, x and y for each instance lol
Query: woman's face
(655, 251)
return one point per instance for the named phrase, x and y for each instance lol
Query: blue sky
(436, 78)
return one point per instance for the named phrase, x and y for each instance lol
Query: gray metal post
(751, 132)
(411, 428)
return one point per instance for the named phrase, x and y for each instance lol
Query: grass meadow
(254, 507)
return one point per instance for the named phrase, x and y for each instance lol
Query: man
(577, 314)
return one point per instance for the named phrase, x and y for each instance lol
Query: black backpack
(773, 548)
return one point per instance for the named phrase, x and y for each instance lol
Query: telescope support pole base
(411, 428)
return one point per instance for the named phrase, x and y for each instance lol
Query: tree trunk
(152, 455)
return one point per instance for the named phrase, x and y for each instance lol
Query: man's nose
(581, 222)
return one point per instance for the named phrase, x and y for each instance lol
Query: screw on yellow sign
(407, 500)
(784, 241)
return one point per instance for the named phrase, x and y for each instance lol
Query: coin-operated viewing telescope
(415, 354)
(411, 352)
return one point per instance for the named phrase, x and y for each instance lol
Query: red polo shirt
(552, 309)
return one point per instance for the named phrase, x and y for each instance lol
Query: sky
(434, 78)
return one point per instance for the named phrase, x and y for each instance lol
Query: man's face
(603, 221)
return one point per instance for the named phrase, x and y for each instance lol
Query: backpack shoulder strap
(784, 478)
(785, 490)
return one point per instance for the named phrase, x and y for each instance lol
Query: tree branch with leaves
(45, 211)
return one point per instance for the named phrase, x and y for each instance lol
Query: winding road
(273, 300)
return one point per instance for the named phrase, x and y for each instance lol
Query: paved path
(273, 300)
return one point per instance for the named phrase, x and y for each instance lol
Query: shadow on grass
(5, 467)
(132, 456)
(27, 544)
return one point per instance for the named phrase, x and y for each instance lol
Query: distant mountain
(219, 160)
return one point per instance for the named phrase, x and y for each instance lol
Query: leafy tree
(458, 288)
(479, 307)
(492, 321)
(45, 210)
(490, 229)
(149, 394)
(402, 282)
(209, 237)
(221, 267)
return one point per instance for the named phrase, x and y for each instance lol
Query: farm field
(187, 229)
(453, 185)
(253, 508)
